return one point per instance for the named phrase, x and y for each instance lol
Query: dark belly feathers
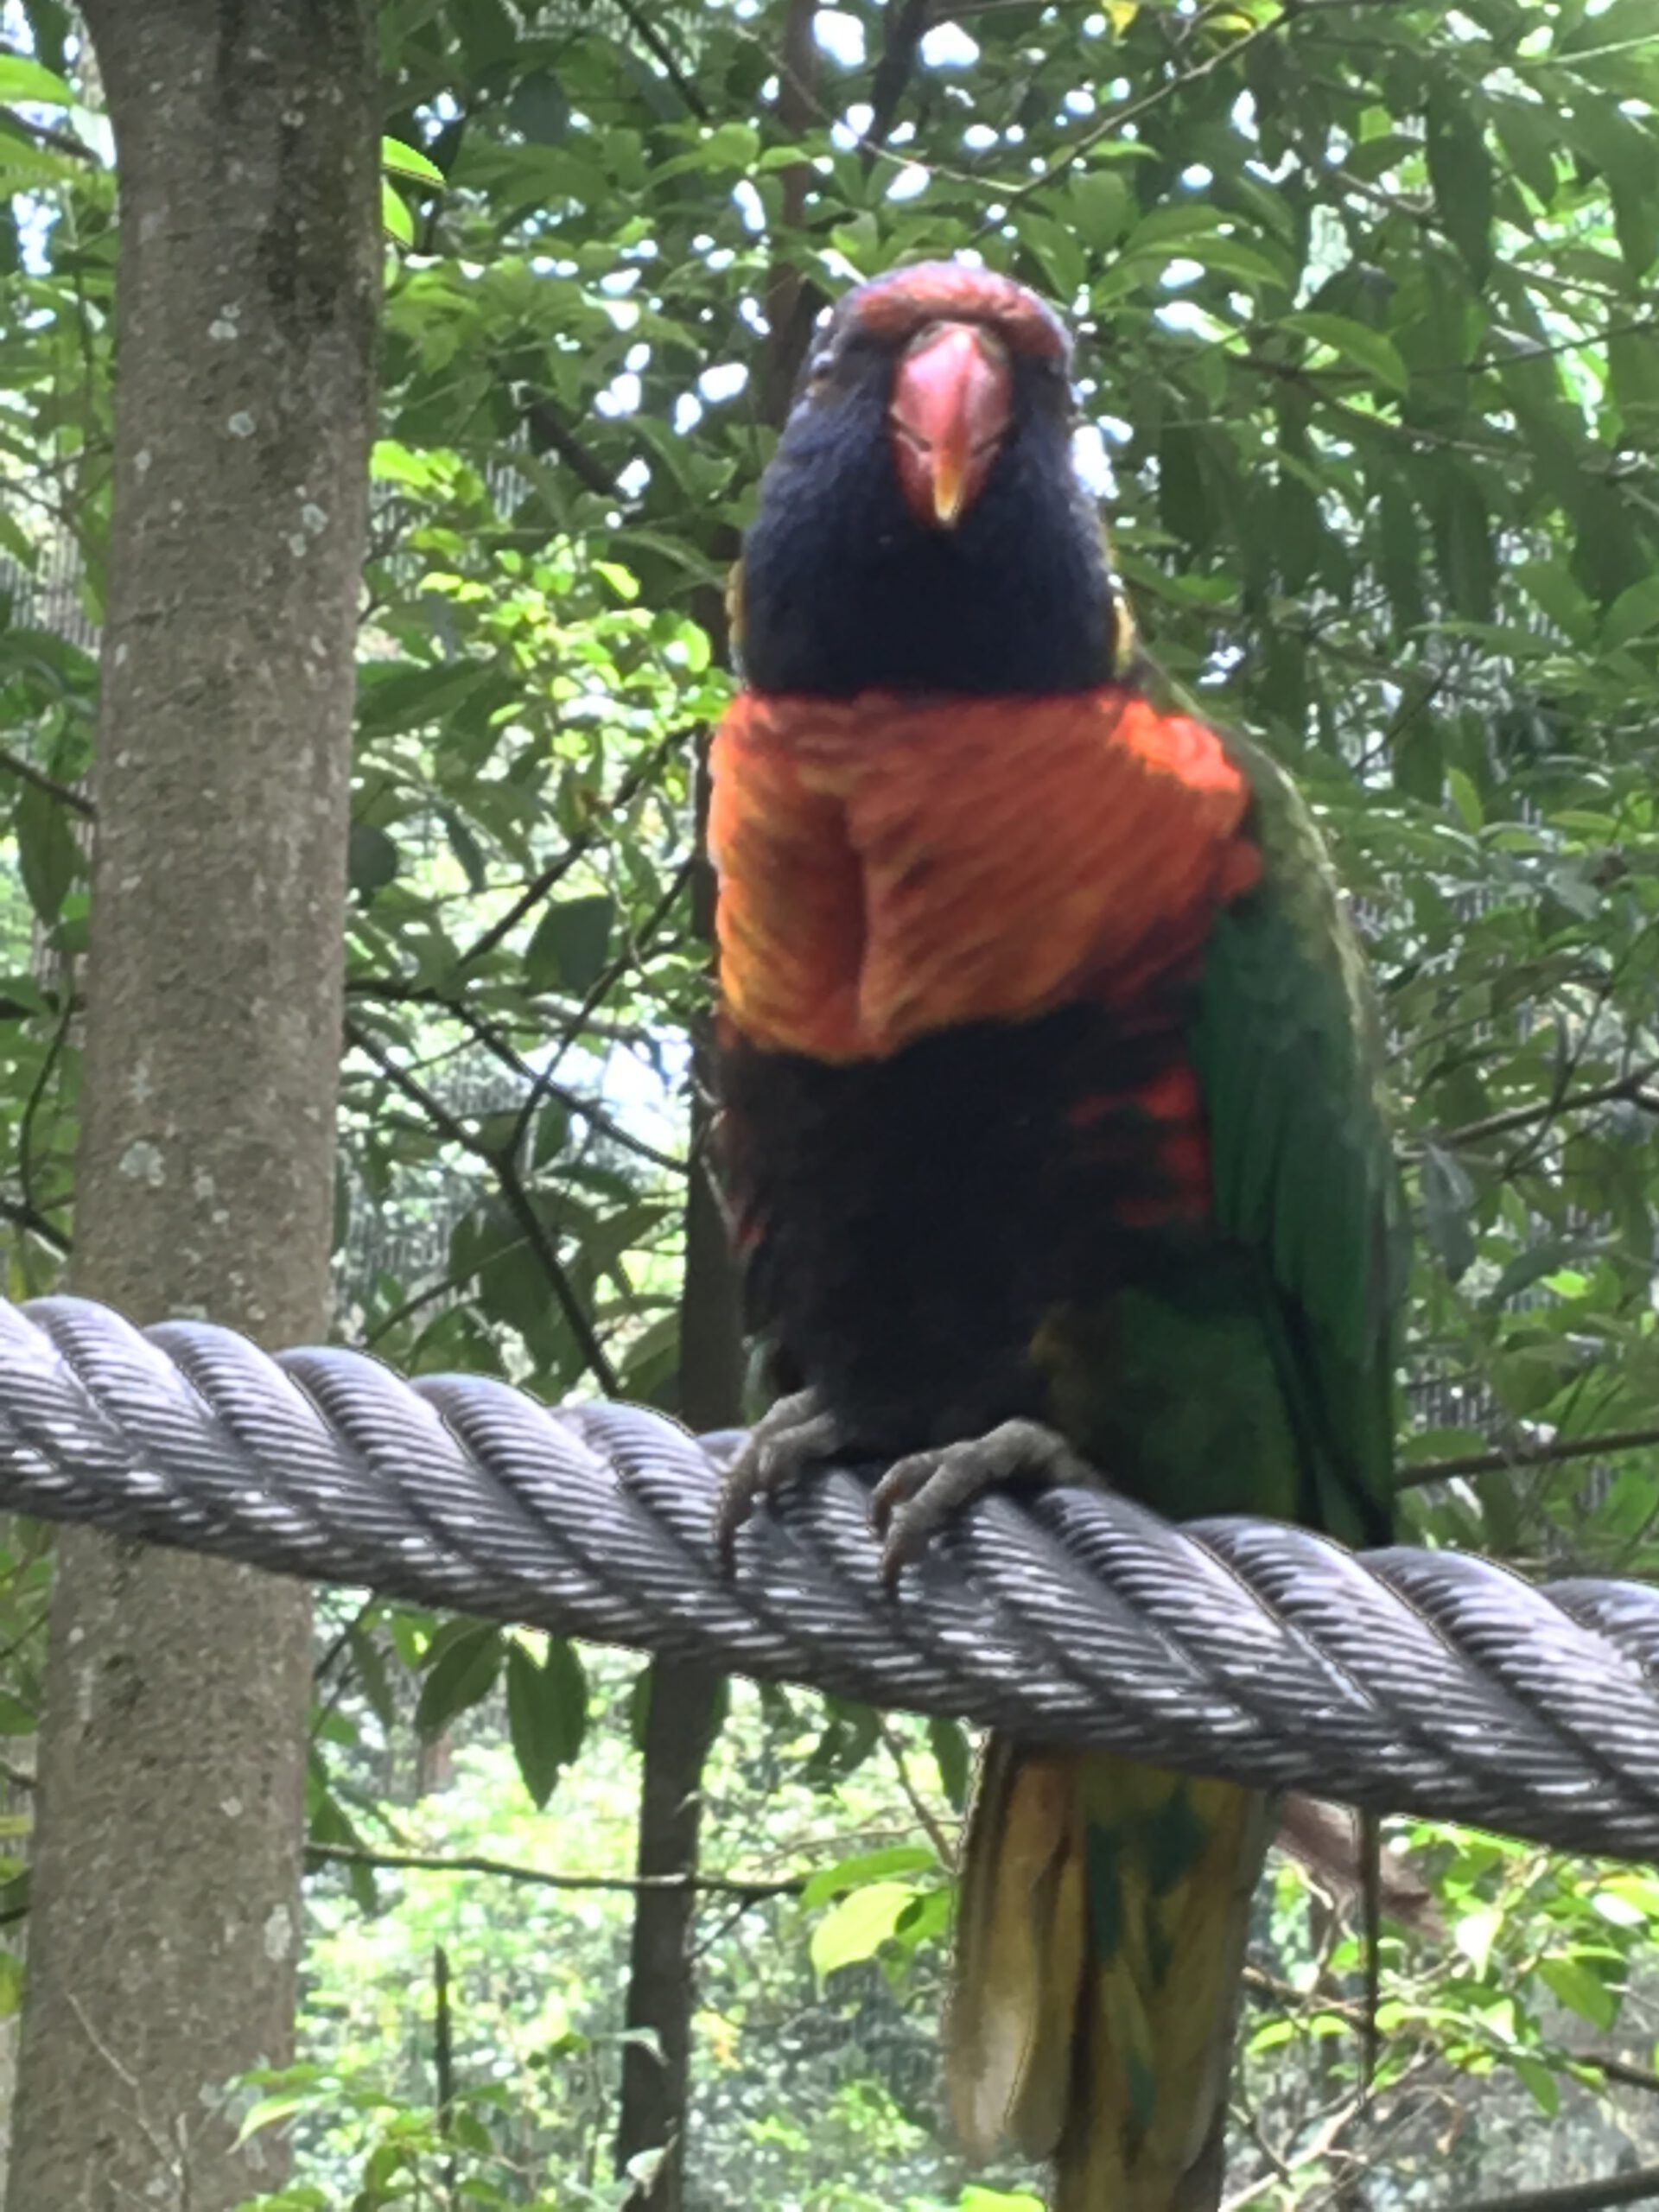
(910, 1223)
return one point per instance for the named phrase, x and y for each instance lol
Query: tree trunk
(165, 1928)
(679, 1727)
(684, 1700)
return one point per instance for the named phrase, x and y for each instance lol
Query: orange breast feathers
(891, 867)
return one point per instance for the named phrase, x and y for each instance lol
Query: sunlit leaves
(547, 1713)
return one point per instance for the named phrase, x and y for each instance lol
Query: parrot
(1053, 1134)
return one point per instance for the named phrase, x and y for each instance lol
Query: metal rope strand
(1404, 1680)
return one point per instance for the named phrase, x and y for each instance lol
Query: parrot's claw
(918, 1494)
(795, 1433)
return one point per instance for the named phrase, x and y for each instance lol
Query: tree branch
(22, 1214)
(1576, 2197)
(1520, 1457)
(907, 19)
(648, 35)
(926, 1818)
(547, 424)
(504, 1163)
(60, 142)
(424, 1862)
(1632, 1087)
(500, 1048)
(629, 788)
(27, 772)
(1132, 111)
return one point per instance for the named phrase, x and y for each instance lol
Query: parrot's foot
(918, 1494)
(795, 1433)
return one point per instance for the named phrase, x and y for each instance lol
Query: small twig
(504, 1162)
(925, 1817)
(1575, 2197)
(442, 1286)
(485, 1032)
(1618, 2069)
(443, 2062)
(421, 1862)
(531, 897)
(1521, 1456)
(60, 142)
(547, 425)
(25, 771)
(907, 19)
(32, 1106)
(648, 35)
(22, 1214)
(1630, 1088)
(630, 956)
(1132, 111)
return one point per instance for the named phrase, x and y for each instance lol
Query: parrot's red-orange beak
(953, 403)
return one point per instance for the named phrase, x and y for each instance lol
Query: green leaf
(1183, 500)
(1229, 257)
(1448, 1201)
(489, 37)
(1172, 229)
(408, 161)
(1633, 613)
(538, 108)
(1460, 171)
(1633, 370)
(862, 1870)
(948, 1741)
(1100, 207)
(462, 1674)
(1062, 260)
(1581, 1991)
(1531, 136)
(395, 218)
(270, 2112)
(24, 79)
(857, 1927)
(47, 853)
(570, 944)
(552, 1128)
(1545, 2089)
(1460, 788)
(371, 860)
(1474, 1935)
(467, 850)
(1368, 349)
(547, 1713)
(1463, 533)
(369, 1671)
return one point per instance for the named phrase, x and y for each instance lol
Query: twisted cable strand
(1400, 1680)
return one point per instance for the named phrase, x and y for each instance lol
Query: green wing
(1288, 1048)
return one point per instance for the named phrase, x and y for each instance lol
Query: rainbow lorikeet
(1051, 1081)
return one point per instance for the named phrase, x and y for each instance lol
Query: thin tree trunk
(165, 1928)
(681, 1700)
(684, 1700)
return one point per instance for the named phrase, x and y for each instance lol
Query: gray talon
(919, 1493)
(794, 1434)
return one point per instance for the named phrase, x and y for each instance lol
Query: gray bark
(165, 1926)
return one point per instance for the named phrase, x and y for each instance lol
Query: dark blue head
(922, 527)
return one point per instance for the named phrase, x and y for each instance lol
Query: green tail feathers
(1101, 1943)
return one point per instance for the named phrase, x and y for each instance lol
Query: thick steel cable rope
(1401, 1680)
